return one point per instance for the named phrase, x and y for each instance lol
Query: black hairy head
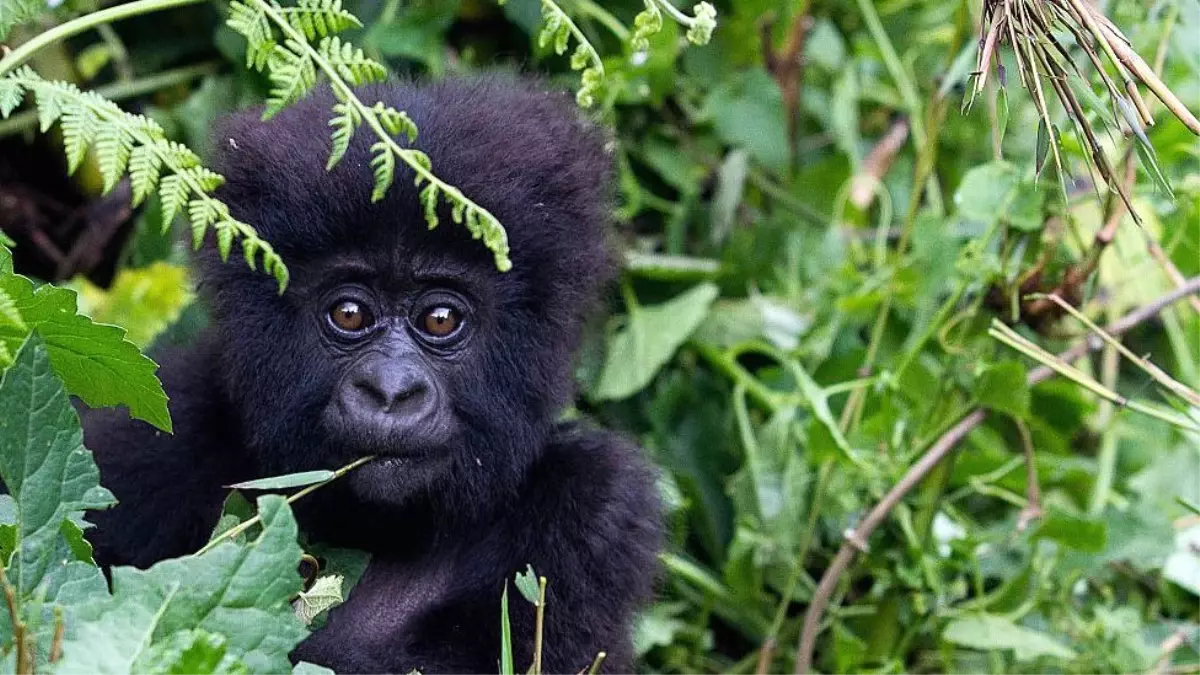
(394, 339)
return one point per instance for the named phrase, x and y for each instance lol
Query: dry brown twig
(938, 451)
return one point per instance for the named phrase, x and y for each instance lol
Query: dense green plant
(849, 329)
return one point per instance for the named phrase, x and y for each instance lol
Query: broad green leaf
(290, 480)
(747, 112)
(1002, 387)
(1074, 532)
(196, 652)
(95, 361)
(109, 641)
(988, 632)
(49, 474)
(241, 592)
(987, 191)
(649, 339)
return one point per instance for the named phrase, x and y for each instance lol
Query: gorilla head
(399, 341)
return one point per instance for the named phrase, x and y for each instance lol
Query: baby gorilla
(406, 343)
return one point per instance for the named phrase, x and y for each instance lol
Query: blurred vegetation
(832, 261)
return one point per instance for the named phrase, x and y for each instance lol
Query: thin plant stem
(76, 26)
(300, 494)
(540, 623)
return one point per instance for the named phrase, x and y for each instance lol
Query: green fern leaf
(253, 25)
(384, 163)
(174, 193)
(206, 179)
(396, 122)
(249, 248)
(11, 95)
(50, 107)
(422, 160)
(319, 18)
(351, 63)
(344, 123)
(144, 167)
(180, 155)
(78, 131)
(292, 75)
(225, 232)
(429, 201)
(113, 149)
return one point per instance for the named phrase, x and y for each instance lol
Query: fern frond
(292, 68)
(126, 142)
(113, 148)
(79, 129)
(557, 30)
(384, 164)
(396, 122)
(319, 18)
(252, 23)
(144, 167)
(173, 193)
(345, 121)
(292, 75)
(351, 63)
(11, 95)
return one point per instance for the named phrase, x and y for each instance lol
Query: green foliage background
(788, 339)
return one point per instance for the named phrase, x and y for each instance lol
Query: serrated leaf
(527, 583)
(239, 592)
(51, 477)
(384, 164)
(11, 95)
(173, 193)
(113, 149)
(325, 594)
(94, 360)
(344, 123)
(144, 167)
(989, 632)
(78, 131)
(649, 339)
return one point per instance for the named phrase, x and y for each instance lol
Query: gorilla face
(399, 341)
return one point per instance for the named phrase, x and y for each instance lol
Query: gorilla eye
(439, 321)
(350, 316)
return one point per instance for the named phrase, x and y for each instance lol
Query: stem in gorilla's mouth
(242, 527)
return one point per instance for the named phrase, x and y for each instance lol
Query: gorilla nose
(388, 388)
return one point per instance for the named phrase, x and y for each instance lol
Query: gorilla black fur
(485, 480)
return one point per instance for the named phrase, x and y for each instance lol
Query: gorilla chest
(387, 603)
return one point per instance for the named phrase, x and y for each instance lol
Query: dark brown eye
(439, 321)
(351, 316)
